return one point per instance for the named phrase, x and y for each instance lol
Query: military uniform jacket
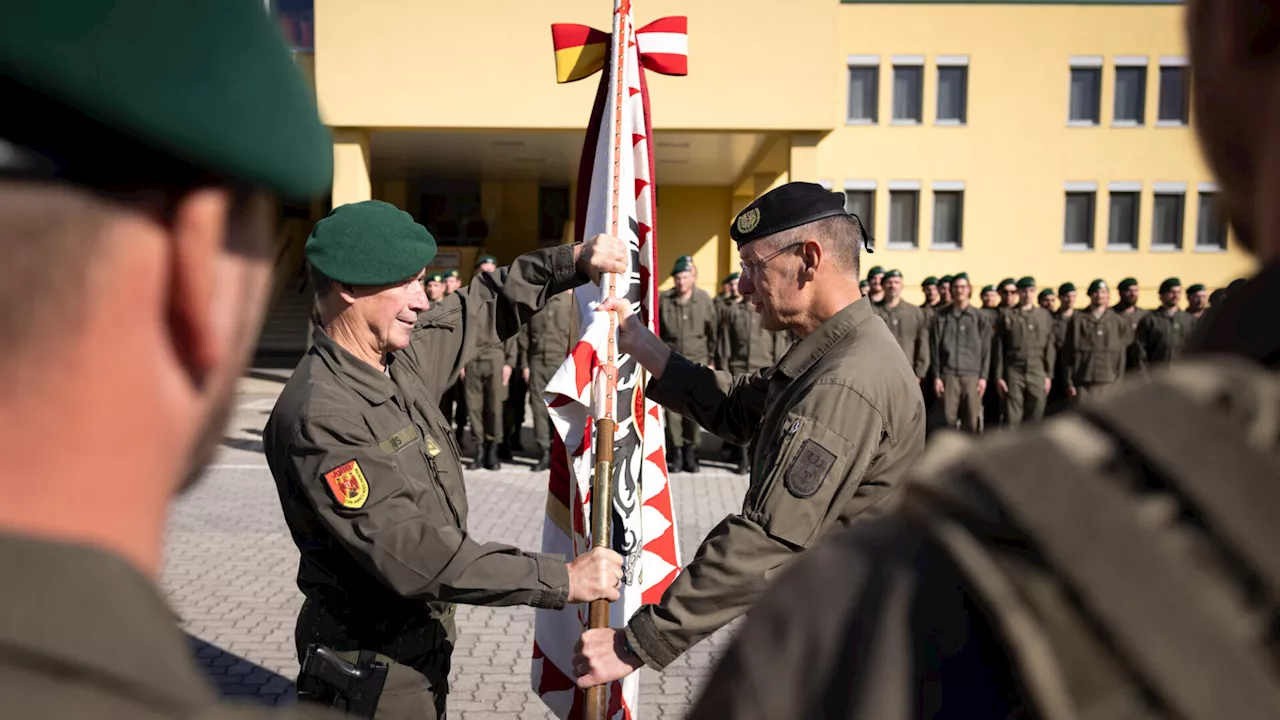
(1095, 348)
(549, 332)
(84, 635)
(370, 477)
(1162, 335)
(836, 423)
(961, 343)
(910, 327)
(1024, 343)
(744, 345)
(1132, 354)
(689, 326)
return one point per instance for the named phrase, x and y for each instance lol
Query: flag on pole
(615, 196)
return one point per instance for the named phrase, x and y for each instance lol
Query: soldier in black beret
(836, 422)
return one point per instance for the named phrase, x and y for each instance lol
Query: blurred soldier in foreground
(1024, 354)
(1095, 345)
(837, 422)
(550, 332)
(1164, 332)
(961, 357)
(908, 323)
(1118, 562)
(687, 321)
(139, 172)
(1197, 300)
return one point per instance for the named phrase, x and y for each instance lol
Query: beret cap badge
(748, 220)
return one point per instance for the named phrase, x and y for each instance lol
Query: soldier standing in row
(1163, 333)
(1197, 300)
(1045, 299)
(549, 335)
(1128, 309)
(990, 303)
(961, 357)
(743, 347)
(1008, 289)
(944, 291)
(728, 293)
(931, 297)
(992, 309)
(454, 401)
(687, 322)
(1061, 324)
(513, 407)
(1095, 345)
(486, 379)
(875, 285)
(434, 285)
(452, 281)
(1024, 354)
(908, 323)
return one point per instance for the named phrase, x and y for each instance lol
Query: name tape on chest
(348, 485)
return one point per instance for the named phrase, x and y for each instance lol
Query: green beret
(730, 278)
(486, 259)
(1127, 283)
(202, 84)
(892, 274)
(960, 276)
(945, 279)
(1026, 282)
(685, 258)
(783, 208)
(1169, 284)
(683, 264)
(1045, 293)
(369, 243)
(1066, 287)
(1097, 285)
(987, 288)
(931, 281)
(452, 274)
(1195, 289)
(877, 270)
(435, 277)
(863, 284)
(1006, 281)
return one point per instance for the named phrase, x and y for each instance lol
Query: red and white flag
(615, 196)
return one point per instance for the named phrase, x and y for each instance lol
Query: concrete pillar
(351, 179)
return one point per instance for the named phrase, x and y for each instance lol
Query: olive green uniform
(1061, 363)
(1066, 571)
(370, 482)
(992, 403)
(1162, 335)
(485, 391)
(513, 406)
(1024, 354)
(1132, 354)
(909, 325)
(688, 327)
(744, 345)
(1095, 349)
(961, 355)
(838, 421)
(549, 335)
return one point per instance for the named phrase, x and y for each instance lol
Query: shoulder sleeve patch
(348, 485)
(809, 469)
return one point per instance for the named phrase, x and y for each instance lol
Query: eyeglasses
(755, 267)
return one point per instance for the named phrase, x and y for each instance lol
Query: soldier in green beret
(485, 381)
(1024, 354)
(452, 282)
(454, 401)
(961, 357)
(144, 147)
(1095, 345)
(875, 286)
(744, 345)
(435, 288)
(1197, 300)
(369, 477)
(990, 302)
(1045, 299)
(687, 322)
(1163, 333)
(908, 323)
(1008, 289)
(1061, 323)
(931, 297)
(944, 291)
(1128, 309)
(991, 310)
(864, 287)
(549, 337)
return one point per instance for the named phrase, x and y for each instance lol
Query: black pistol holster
(328, 679)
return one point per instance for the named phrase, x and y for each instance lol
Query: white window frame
(1131, 61)
(1172, 61)
(1128, 187)
(1085, 62)
(1210, 188)
(861, 61)
(1080, 188)
(947, 186)
(864, 186)
(896, 61)
(951, 61)
(1178, 189)
(901, 186)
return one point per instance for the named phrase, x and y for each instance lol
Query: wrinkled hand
(982, 388)
(595, 575)
(1002, 387)
(601, 254)
(938, 387)
(525, 374)
(506, 375)
(630, 329)
(601, 657)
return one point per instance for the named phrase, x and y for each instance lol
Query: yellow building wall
(1016, 153)
(694, 221)
(490, 64)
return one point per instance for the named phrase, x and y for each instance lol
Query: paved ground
(230, 568)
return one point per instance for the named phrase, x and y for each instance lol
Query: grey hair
(840, 235)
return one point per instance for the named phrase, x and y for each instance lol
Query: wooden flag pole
(597, 707)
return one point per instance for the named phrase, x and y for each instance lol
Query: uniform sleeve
(362, 499)
(922, 348)
(997, 348)
(720, 358)
(511, 350)
(1142, 339)
(985, 360)
(1051, 350)
(522, 349)
(713, 333)
(812, 481)
(489, 310)
(1069, 352)
(728, 406)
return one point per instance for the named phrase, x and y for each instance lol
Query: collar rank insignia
(347, 483)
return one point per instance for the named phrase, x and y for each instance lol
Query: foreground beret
(1169, 284)
(369, 243)
(783, 208)
(1195, 289)
(930, 281)
(1006, 281)
(1127, 283)
(1026, 282)
(683, 264)
(1047, 292)
(877, 270)
(1066, 287)
(208, 83)
(945, 279)
(892, 274)
(730, 277)
(1097, 285)
(486, 259)
(987, 288)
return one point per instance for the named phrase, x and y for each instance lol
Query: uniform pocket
(797, 493)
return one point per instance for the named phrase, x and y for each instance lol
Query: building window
(1211, 226)
(1078, 230)
(1174, 93)
(1166, 221)
(904, 218)
(864, 90)
(1122, 233)
(1131, 91)
(862, 202)
(1086, 91)
(948, 219)
(953, 90)
(908, 93)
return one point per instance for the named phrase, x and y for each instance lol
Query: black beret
(1096, 285)
(1195, 289)
(1026, 282)
(1066, 287)
(783, 208)
(1127, 283)
(1169, 284)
